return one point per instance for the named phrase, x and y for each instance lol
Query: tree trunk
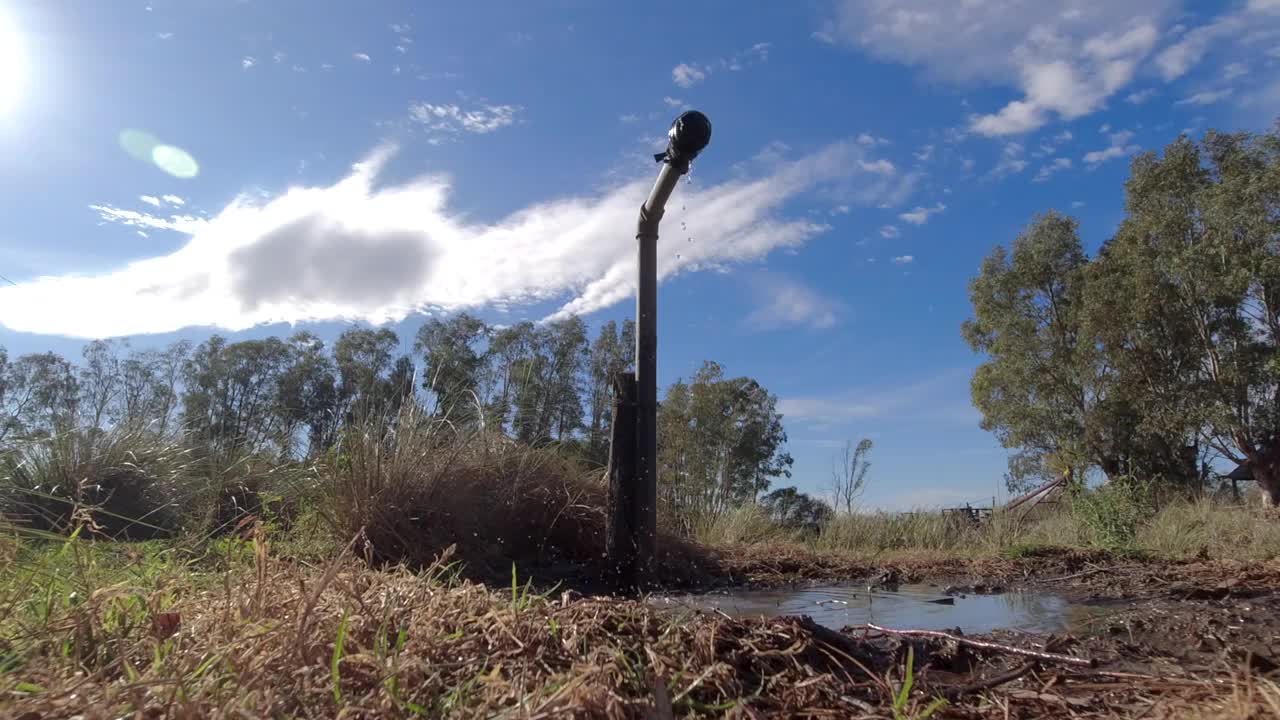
(622, 517)
(1266, 472)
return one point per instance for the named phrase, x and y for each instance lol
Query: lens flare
(175, 161)
(146, 147)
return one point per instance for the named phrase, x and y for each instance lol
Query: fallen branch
(956, 693)
(984, 645)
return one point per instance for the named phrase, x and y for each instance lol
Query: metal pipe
(688, 135)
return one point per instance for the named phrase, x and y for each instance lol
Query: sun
(13, 68)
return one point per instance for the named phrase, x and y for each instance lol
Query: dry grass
(270, 638)
(412, 489)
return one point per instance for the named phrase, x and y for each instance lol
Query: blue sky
(168, 169)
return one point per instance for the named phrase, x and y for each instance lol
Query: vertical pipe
(646, 496)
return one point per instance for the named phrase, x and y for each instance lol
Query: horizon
(247, 170)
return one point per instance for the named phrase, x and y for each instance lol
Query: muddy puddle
(923, 607)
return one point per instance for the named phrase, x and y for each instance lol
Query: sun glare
(12, 65)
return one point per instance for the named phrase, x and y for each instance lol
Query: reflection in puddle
(912, 606)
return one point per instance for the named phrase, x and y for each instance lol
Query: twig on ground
(983, 645)
(956, 693)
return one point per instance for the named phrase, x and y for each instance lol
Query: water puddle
(922, 607)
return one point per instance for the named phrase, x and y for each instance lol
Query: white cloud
(880, 167)
(673, 102)
(787, 303)
(451, 118)
(362, 57)
(399, 28)
(185, 224)
(1257, 19)
(890, 231)
(1047, 171)
(686, 75)
(925, 153)
(871, 140)
(920, 215)
(173, 200)
(1071, 87)
(1011, 160)
(1064, 136)
(903, 260)
(247, 62)
(1141, 96)
(918, 400)
(1234, 70)
(1119, 147)
(1208, 97)
(629, 118)
(1066, 57)
(365, 249)
(841, 210)
(164, 35)
(150, 200)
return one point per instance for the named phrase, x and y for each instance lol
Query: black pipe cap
(688, 135)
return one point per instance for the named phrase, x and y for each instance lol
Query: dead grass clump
(121, 484)
(1208, 527)
(415, 487)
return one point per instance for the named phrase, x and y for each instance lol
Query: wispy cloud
(1141, 96)
(786, 303)
(362, 57)
(889, 232)
(1048, 171)
(173, 200)
(366, 249)
(451, 118)
(871, 140)
(918, 400)
(1120, 147)
(1234, 70)
(903, 260)
(686, 75)
(185, 224)
(920, 215)
(1066, 59)
(150, 200)
(879, 167)
(247, 62)
(1208, 97)
(1011, 160)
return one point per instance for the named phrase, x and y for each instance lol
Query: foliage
(849, 478)
(1192, 283)
(1112, 513)
(1163, 349)
(794, 510)
(720, 442)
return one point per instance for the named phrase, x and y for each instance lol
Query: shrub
(411, 487)
(121, 484)
(1112, 513)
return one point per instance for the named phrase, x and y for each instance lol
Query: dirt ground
(1172, 640)
(1165, 639)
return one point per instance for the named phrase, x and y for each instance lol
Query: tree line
(1161, 353)
(722, 439)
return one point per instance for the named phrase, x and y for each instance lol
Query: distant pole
(688, 135)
